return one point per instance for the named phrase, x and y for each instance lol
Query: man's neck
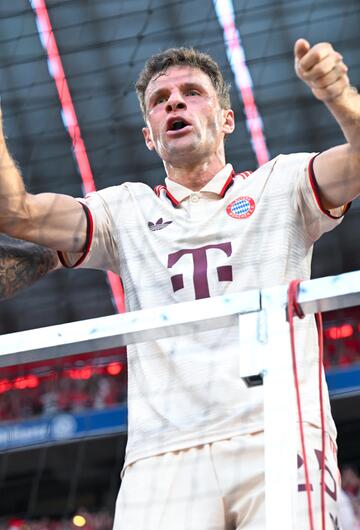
(194, 177)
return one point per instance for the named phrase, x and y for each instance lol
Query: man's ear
(148, 140)
(229, 121)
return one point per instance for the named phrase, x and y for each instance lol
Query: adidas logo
(159, 225)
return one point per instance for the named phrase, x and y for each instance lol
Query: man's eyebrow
(185, 85)
(193, 84)
(157, 92)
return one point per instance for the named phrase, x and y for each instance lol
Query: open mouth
(177, 124)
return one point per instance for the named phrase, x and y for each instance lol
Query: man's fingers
(323, 68)
(332, 91)
(328, 79)
(315, 55)
(301, 47)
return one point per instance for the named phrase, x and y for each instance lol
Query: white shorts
(219, 486)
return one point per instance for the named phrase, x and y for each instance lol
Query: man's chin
(181, 147)
(181, 158)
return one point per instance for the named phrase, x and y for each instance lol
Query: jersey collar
(219, 185)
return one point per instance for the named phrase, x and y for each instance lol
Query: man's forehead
(178, 75)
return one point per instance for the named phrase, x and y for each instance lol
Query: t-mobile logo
(200, 262)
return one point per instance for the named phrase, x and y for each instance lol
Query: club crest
(241, 208)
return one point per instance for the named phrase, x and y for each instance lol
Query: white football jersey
(240, 232)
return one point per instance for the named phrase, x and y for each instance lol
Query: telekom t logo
(200, 261)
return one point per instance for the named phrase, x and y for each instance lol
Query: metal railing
(263, 326)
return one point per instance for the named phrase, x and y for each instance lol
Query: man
(194, 458)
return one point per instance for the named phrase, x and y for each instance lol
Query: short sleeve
(315, 219)
(100, 250)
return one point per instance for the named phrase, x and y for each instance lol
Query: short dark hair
(159, 63)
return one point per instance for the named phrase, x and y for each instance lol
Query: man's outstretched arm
(22, 264)
(337, 170)
(53, 220)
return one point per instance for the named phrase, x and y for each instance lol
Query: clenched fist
(321, 68)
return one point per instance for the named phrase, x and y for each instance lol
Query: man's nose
(175, 102)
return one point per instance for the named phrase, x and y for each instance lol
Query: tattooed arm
(22, 264)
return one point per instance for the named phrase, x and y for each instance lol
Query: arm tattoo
(22, 264)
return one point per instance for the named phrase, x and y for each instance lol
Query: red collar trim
(160, 188)
(229, 182)
(171, 197)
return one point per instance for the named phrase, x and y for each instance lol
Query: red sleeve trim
(89, 237)
(316, 192)
(245, 174)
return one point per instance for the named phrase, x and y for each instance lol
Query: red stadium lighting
(20, 383)
(346, 331)
(339, 332)
(32, 381)
(5, 385)
(17, 523)
(80, 373)
(114, 368)
(28, 381)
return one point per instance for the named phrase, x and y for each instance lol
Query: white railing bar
(150, 324)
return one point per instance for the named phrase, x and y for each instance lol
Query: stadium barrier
(263, 333)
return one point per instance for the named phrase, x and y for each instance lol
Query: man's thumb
(302, 46)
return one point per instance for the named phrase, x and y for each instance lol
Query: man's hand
(337, 170)
(321, 68)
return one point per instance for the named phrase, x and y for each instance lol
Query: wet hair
(158, 64)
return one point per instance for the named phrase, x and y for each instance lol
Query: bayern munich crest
(241, 208)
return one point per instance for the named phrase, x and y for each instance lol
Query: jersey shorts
(241, 231)
(220, 486)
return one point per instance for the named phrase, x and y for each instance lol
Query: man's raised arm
(337, 170)
(22, 264)
(54, 220)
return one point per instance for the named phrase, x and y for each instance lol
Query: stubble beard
(189, 153)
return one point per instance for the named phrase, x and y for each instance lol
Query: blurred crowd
(341, 352)
(62, 395)
(349, 512)
(349, 501)
(82, 520)
(341, 337)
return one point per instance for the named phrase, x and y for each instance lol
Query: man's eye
(193, 92)
(160, 99)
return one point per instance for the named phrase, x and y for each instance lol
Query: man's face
(185, 123)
